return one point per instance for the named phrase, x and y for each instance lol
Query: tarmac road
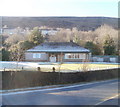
(95, 93)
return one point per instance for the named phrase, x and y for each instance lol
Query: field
(48, 67)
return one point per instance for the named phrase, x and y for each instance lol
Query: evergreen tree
(24, 45)
(109, 46)
(36, 36)
(95, 49)
(5, 54)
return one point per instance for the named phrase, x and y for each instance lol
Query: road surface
(95, 93)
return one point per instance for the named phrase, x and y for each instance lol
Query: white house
(58, 52)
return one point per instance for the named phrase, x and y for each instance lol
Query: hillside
(82, 23)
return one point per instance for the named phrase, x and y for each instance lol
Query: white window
(82, 56)
(36, 55)
(68, 56)
(112, 59)
(75, 56)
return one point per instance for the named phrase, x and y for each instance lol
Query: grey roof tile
(58, 47)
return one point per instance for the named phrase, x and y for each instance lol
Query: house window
(75, 56)
(68, 56)
(82, 56)
(36, 55)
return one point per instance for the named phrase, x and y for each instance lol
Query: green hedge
(13, 80)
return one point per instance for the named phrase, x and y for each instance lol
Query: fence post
(38, 69)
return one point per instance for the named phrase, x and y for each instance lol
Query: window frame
(75, 55)
(36, 55)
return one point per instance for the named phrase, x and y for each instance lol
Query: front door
(52, 58)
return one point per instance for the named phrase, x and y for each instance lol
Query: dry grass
(60, 67)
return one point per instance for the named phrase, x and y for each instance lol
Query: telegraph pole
(1, 31)
(1, 26)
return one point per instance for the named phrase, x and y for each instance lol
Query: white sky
(107, 8)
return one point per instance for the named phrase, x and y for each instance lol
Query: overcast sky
(107, 8)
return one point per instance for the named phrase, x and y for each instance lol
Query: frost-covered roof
(58, 47)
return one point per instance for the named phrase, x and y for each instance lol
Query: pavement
(95, 93)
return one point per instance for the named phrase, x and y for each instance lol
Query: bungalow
(57, 52)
